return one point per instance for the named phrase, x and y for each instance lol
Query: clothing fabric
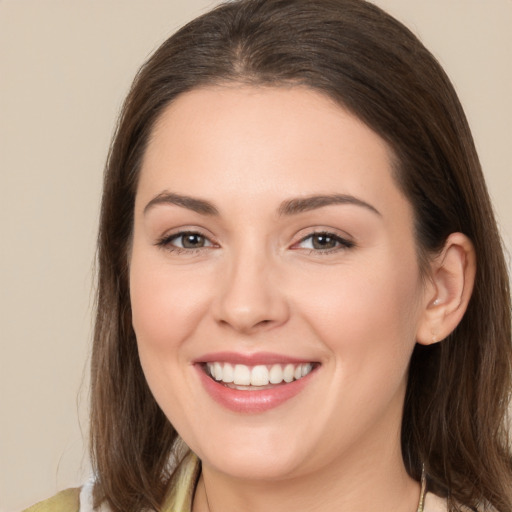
(65, 501)
(179, 498)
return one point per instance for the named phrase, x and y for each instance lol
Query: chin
(260, 456)
(254, 466)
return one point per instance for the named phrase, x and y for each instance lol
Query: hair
(454, 419)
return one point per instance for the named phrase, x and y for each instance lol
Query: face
(274, 281)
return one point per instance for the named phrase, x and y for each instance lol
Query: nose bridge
(250, 297)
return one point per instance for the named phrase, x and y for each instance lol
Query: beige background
(64, 69)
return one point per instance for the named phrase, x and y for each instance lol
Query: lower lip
(252, 402)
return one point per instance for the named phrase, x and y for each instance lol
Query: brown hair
(458, 390)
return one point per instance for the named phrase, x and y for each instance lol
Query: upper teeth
(260, 375)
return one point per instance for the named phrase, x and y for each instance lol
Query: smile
(243, 377)
(255, 383)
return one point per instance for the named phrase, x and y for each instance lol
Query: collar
(184, 484)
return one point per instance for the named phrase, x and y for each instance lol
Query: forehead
(226, 141)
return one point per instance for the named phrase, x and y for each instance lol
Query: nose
(251, 298)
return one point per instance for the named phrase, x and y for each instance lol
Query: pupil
(192, 241)
(323, 242)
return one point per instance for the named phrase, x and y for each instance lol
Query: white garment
(86, 499)
(434, 503)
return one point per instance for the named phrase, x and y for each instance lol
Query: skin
(259, 284)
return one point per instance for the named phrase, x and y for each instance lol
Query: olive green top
(179, 498)
(65, 501)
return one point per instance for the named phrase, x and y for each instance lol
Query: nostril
(247, 306)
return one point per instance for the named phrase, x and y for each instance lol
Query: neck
(375, 482)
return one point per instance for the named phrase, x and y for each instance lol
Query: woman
(303, 300)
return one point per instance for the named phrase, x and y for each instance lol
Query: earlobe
(451, 284)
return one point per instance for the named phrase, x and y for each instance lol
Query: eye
(324, 242)
(185, 240)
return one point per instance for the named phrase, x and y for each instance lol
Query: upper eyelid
(342, 240)
(172, 234)
(327, 233)
(306, 233)
(188, 233)
(166, 243)
(330, 231)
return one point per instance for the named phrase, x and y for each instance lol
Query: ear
(452, 276)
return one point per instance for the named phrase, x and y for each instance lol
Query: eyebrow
(304, 204)
(191, 203)
(289, 207)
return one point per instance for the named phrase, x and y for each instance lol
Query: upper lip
(254, 359)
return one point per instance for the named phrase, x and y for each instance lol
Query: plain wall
(65, 67)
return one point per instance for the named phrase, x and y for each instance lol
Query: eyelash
(167, 243)
(342, 243)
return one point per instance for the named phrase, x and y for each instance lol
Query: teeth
(289, 370)
(306, 368)
(217, 371)
(260, 375)
(276, 374)
(242, 376)
(228, 373)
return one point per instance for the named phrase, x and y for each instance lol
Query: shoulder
(65, 501)
(79, 499)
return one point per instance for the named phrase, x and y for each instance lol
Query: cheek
(166, 308)
(367, 315)
(165, 304)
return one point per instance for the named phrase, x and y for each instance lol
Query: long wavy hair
(454, 419)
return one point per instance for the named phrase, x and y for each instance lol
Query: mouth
(256, 383)
(258, 377)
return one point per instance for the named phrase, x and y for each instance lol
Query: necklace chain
(421, 504)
